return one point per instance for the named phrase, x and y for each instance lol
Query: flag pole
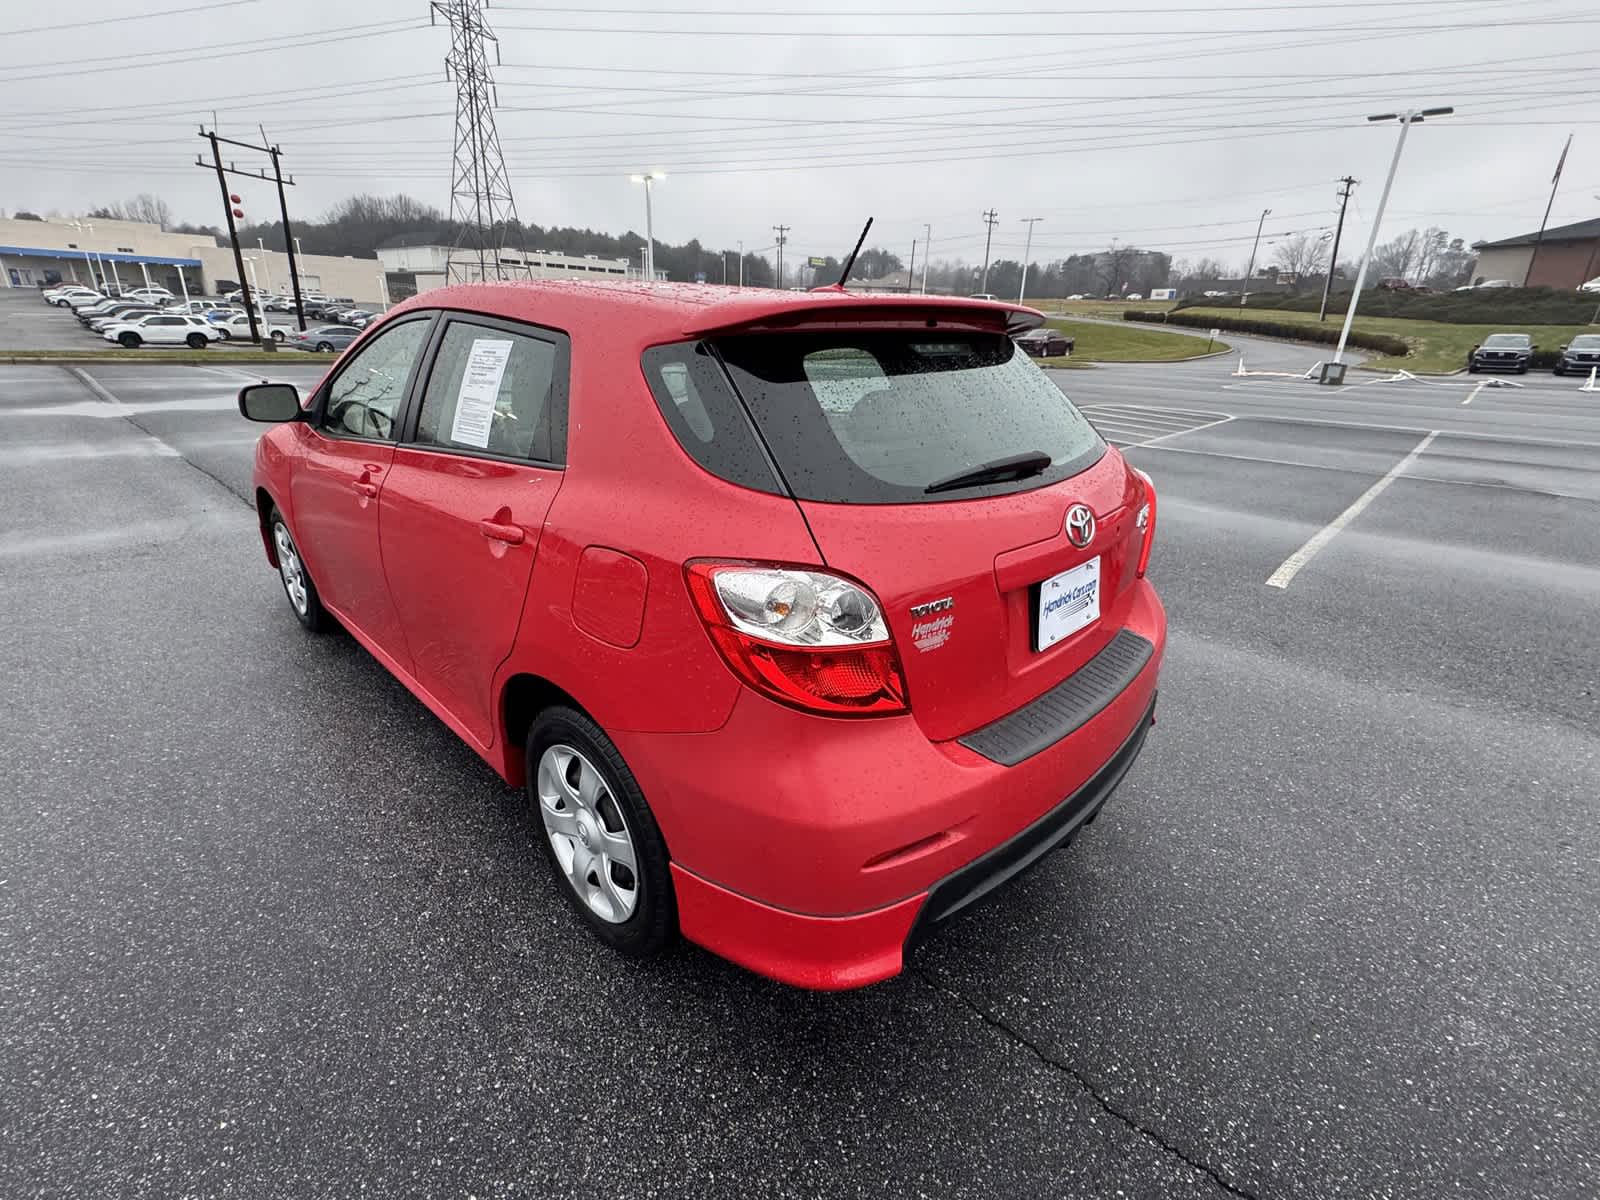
(1555, 182)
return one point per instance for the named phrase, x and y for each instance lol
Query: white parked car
(163, 329)
(63, 296)
(1134, 296)
(237, 325)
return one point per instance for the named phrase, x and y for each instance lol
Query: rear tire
(593, 819)
(129, 341)
(277, 335)
(297, 585)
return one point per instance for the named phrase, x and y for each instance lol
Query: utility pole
(1027, 248)
(1407, 120)
(291, 244)
(990, 219)
(927, 253)
(233, 231)
(783, 235)
(1333, 259)
(741, 264)
(1244, 292)
(911, 271)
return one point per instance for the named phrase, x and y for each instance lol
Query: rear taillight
(808, 639)
(1144, 519)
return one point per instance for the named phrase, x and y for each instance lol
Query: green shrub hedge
(1481, 306)
(1383, 343)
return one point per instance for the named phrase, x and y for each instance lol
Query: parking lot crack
(1012, 1033)
(106, 396)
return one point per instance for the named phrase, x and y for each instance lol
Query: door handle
(366, 488)
(511, 535)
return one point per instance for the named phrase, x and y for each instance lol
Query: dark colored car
(326, 338)
(1502, 352)
(1580, 356)
(1045, 343)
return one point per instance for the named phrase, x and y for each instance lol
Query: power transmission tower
(1333, 259)
(783, 236)
(480, 189)
(991, 219)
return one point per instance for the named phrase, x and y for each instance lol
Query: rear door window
(878, 417)
(496, 391)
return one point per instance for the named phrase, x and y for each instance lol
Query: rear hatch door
(881, 435)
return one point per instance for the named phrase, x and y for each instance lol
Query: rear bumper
(806, 848)
(836, 953)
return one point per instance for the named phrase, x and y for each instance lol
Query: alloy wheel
(588, 833)
(289, 566)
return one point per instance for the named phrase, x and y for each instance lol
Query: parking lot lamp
(647, 178)
(1407, 120)
(80, 226)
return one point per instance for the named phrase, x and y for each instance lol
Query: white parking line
(1291, 565)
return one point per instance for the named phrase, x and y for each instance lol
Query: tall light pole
(927, 253)
(1244, 292)
(261, 243)
(1407, 120)
(647, 178)
(1027, 247)
(80, 226)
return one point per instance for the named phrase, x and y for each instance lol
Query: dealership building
(94, 251)
(417, 262)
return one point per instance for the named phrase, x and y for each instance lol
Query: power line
(78, 26)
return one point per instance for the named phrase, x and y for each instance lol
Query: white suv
(163, 329)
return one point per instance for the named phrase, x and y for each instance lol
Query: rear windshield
(875, 418)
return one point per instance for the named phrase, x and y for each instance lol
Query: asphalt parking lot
(268, 929)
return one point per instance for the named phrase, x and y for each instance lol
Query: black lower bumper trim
(1011, 858)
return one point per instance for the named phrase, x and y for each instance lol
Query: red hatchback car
(805, 619)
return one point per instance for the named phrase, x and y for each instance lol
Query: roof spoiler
(830, 306)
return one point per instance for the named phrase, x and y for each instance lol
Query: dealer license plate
(1068, 602)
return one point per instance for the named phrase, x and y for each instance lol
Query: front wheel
(1559, 370)
(297, 585)
(325, 347)
(1472, 368)
(129, 341)
(599, 835)
(1523, 369)
(196, 341)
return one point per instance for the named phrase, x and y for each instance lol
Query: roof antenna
(851, 261)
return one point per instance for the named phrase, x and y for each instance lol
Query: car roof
(671, 311)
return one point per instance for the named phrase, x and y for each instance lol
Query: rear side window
(495, 391)
(876, 417)
(705, 415)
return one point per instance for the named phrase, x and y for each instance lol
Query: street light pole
(1027, 248)
(1406, 119)
(1244, 292)
(648, 178)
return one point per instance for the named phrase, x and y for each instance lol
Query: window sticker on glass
(480, 386)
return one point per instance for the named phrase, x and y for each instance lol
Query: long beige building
(92, 250)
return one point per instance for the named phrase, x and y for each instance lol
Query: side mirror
(270, 402)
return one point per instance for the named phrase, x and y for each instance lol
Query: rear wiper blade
(1017, 466)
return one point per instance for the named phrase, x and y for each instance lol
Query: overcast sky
(1166, 123)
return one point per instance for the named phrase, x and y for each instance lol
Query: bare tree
(1397, 259)
(150, 209)
(1301, 254)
